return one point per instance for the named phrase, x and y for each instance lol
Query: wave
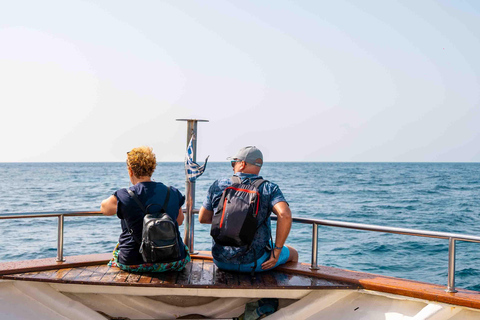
(326, 192)
(392, 207)
(467, 272)
(381, 249)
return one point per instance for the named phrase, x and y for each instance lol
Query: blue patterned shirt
(270, 195)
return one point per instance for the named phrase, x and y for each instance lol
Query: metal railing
(60, 215)
(452, 237)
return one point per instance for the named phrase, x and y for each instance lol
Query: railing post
(190, 190)
(451, 266)
(60, 239)
(190, 187)
(314, 265)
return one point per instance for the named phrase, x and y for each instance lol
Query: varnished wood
(46, 274)
(133, 277)
(244, 280)
(61, 273)
(196, 271)
(121, 276)
(257, 282)
(109, 275)
(206, 277)
(269, 280)
(184, 275)
(29, 275)
(73, 274)
(145, 278)
(202, 273)
(99, 273)
(219, 278)
(86, 273)
(169, 278)
(157, 278)
(232, 279)
(51, 264)
(409, 288)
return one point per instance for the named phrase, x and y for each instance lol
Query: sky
(302, 80)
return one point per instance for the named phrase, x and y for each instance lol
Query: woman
(141, 162)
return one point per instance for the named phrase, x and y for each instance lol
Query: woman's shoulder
(121, 193)
(124, 199)
(172, 188)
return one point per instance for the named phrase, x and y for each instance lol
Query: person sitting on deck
(262, 253)
(141, 163)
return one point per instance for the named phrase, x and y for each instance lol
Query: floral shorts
(150, 267)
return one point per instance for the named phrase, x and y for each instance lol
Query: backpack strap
(236, 179)
(134, 196)
(165, 204)
(130, 230)
(145, 211)
(257, 183)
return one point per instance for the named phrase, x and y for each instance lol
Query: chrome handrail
(452, 237)
(60, 215)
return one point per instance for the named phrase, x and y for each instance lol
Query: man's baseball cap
(250, 154)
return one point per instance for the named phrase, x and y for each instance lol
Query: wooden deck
(202, 273)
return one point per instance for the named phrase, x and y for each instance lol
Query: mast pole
(190, 186)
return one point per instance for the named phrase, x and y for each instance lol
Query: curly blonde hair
(142, 161)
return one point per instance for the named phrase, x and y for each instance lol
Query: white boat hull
(33, 300)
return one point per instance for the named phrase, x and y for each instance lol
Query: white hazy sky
(302, 80)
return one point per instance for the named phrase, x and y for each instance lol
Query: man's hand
(270, 263)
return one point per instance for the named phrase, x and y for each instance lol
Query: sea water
(427, 196)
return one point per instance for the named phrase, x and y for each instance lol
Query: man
(262, 254)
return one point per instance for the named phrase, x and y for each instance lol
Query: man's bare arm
(205, 216)
(284, 223)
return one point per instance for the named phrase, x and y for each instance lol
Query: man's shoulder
(267, 184)
(224, 182)
(221, 184)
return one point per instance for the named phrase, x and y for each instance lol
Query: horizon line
(226, 161)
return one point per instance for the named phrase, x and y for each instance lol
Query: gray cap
(250, 155)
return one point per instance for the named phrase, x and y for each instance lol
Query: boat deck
(200, 273)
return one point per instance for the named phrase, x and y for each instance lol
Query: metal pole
(314, 265)
(60, 239)
(190, 186)
(451, 266)
(190, 190)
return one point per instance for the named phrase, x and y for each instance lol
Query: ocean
(426, 196)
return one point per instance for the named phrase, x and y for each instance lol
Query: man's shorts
(248, 267)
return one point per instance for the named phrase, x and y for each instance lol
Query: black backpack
(159, 235)
(235, 221)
